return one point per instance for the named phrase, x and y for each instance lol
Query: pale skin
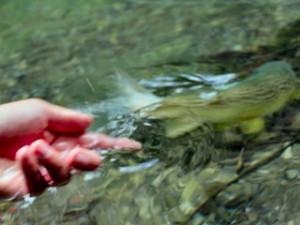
(41, 145)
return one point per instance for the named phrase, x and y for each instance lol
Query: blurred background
(51, 49)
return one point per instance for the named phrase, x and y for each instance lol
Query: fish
(266, 90)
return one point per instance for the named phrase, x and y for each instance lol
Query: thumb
(64, 120)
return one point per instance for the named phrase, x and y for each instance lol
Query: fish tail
(131, 94)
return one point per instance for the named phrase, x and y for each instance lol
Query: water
(53, 49)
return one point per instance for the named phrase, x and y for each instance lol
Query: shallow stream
(68, 51)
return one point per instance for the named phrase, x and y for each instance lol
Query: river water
(68, 51)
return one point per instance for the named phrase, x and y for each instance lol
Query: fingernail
(127, 143)
(136, 145)
(88, 141)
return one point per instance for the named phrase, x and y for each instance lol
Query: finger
(48, 136)
(64, 120)
(34, 180)
(96, 140)
(51, 159)
(83, 159)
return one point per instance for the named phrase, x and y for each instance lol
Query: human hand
(41, 144)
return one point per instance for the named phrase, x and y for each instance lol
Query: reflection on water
(50, 50)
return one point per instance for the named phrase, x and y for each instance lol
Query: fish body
(264, 92)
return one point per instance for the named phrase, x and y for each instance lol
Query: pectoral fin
(297, 94)
(252, 126)
(176, 127)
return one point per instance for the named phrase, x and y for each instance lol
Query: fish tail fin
(131, 94)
